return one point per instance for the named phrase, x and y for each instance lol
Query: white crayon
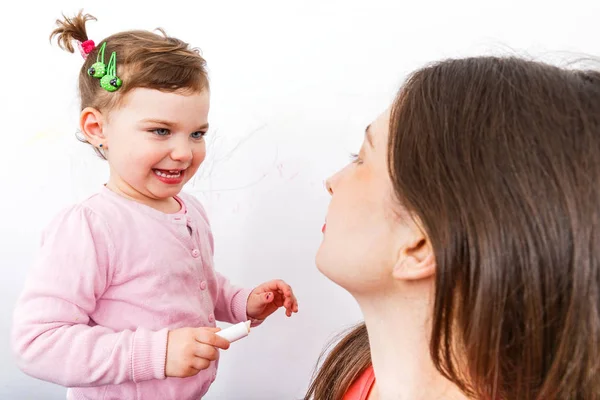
(235, 332)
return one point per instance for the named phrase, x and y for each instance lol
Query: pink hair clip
(86, 47)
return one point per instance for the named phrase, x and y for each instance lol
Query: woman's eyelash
(355, 158)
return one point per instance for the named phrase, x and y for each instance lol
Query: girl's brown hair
(499, 159)
(144, 60)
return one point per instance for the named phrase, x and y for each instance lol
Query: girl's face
(155, 143)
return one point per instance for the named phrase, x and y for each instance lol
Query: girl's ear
(90, 122)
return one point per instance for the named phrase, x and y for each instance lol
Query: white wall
(294, 83)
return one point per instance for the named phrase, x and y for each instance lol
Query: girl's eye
(355, 158)
(198, 135)
(161, 131)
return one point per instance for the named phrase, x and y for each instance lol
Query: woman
(468, 230)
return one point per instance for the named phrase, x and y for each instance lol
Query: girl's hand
(190, 350)
(265, 299)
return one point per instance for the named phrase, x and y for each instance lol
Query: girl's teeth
(171, 174)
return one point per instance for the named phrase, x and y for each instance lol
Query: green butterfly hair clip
(98, 69)
(111, 81)
(107, 74)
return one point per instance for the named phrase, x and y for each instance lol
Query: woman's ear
(90, 122)
(416, 260)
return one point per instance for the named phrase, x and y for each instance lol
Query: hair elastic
(86, 47)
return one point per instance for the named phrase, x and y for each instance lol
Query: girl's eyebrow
(158, 121)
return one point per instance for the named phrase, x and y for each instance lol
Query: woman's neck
(399, 332)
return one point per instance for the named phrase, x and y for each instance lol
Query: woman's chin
(327, 265)
(323, 260)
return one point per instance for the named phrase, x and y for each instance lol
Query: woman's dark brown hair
(144, 60)
(499, 159)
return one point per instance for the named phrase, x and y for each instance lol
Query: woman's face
(365, 227)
